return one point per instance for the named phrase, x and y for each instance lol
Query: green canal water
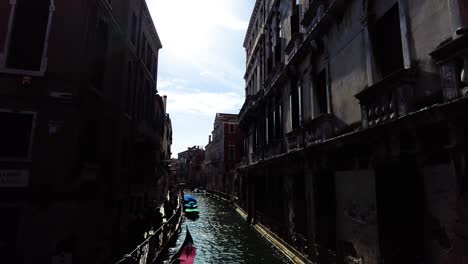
(222, 236)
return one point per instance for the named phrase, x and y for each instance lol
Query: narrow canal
(222, 236)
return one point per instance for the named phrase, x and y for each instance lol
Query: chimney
(164, 102)
(209, 139)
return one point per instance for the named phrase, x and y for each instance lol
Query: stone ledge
(287, 250)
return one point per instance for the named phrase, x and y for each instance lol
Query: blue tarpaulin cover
(189, 198)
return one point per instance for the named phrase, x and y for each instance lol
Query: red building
(223, 152)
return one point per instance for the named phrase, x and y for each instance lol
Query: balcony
(246, 111)
(258, 155)
(316, 131)
(388, 99)
(293, 46)
(314, 12)
(295, 139)
(274, 148)
(452, 58)
(321, 128)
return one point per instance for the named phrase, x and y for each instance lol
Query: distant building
(356, 128)
(190, 166)
(223, 152)
(84, 133)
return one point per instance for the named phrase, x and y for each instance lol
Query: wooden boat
(187, 252)
(191, 206)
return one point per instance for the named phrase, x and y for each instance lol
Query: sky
(201, 64)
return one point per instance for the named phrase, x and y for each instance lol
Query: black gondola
(187, 251)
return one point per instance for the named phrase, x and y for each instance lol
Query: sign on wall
(14, 178)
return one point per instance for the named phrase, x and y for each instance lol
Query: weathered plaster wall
(357, 214)
(425, 19)
(347, 63)
(440, 183)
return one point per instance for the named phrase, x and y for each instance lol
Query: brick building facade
(84, 132)
(223, 152)
(355, 128)
(190, 168)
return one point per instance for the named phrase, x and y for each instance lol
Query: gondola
(187, 252)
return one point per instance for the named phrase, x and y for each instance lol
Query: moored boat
(187, 252)
(191, 206)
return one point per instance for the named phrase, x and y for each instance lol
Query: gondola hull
(187, 252)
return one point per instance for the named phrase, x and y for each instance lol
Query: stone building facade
(222, 153)
(190, 166)
(84, 132)
(355, 129)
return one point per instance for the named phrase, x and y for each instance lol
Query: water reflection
(222, 236)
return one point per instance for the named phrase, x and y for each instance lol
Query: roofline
(146, 10)
(252, 16)
(226, 114)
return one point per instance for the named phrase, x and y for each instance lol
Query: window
(387, 43)
(280, 30)
(255, 139)
(28, 35)
(299, 104)
(320, 94)
(149, 55)
(139, 98)
(277, 42)
(132, 92)
(295, 17)
(296, 107)
(133, 29)
(91, 140)
(16, 135)
(124, 162)
(291, 116)
(155, 66)
(232, 128)
(270, 126)
(463, 6)
(278, 121)
(152, 112)
(143, 47)
(254, 82)
(101, 54)
(247, 144)
(232, 152)
(128, 88)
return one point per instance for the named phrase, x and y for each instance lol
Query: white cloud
(202, 103)
(196, 34)
(202, 63)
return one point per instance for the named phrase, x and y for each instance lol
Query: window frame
(31, 137)
(233, 156)
(325, 92)
(233, 131)
(133, 29)
(7, 43)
